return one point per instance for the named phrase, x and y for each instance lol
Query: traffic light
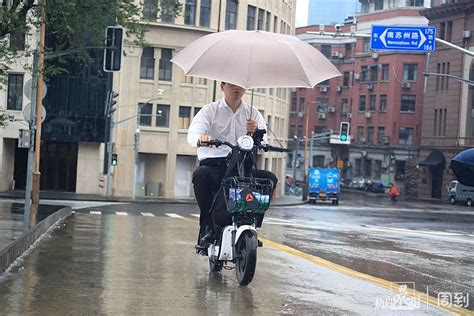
(113, 102)
(114, 159)
(344, 131)
(113, 48)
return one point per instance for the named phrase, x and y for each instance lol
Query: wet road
(138, 259)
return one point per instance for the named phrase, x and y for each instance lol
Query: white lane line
(122, 213)
(173, 215)
(196, 215)
(148, 214)
(96, 212)
(278, 220)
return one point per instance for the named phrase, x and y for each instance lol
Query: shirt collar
(224, 104)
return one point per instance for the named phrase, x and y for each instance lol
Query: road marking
(148, 214)
(96, 212)
(173, 215)
(196, 215)
(122, 213)
(362, 276)
(277, 220)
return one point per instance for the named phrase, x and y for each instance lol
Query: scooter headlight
(245, 143)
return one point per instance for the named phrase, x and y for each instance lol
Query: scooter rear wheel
(246, 258)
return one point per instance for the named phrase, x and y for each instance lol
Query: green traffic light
(343, 138)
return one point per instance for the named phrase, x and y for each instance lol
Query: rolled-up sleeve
(200, 125)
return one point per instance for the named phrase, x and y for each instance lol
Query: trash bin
(153, 188)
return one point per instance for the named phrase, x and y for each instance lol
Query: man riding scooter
(394, 192)
(227, 120)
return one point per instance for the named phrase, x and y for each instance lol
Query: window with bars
(15, 92)
(205, 15)
(147, 63)
(165, 71)
(362, 100)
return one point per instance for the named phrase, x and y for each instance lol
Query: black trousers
(207, 179)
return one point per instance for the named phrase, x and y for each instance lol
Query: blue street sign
(420, 39)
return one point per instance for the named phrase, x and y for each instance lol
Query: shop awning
(434, 159)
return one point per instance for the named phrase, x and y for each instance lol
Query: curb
(16, 248)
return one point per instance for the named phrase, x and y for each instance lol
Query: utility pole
(304, 196)
(39, 106)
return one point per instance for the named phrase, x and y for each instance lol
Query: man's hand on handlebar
(203, 138)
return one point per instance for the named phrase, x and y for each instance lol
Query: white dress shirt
(219, 121)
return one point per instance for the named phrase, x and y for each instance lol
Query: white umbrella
(255, 59)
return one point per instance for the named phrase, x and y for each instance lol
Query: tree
(71, 25)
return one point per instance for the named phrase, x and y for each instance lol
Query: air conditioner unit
(349, 115)
(370, 86)
(341, 55)
(466, 34)
(406, 85)
(322, 116)
(368, 115)
(338, 88)
(300, 114)
(356, 76)
(375, 55)
(323, 89)
(335, 54)
(331, 109)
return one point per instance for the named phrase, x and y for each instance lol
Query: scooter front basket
(247, 195)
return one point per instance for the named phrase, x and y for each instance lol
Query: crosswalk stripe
(121, 213)
(148, 214)
(173, 215)
(196, 215)
(96, 212)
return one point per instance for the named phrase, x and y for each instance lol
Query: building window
(261, 14)
(190, 12)
(196, 110)
(293, 101)
(165, 72)
(326, 50)
(415, 3)
(150, 10)
(366, 45)
(275, 24)
(147, 63)
(378, 5)
(292, 131)
(383, 103)
(363, 73)
(358, 167)
(381, 135)
(374, 73)
(17, 36)
(300, 131)
(15, 92)
(361, 134)
(301, 104)
(346, 79)
(348, 48)
(251, 17)
(231, 15)
(162, 115)
(385, 72)
(442, 30)
(448, 64)
(267, 22)
(362, 103)
(167, 11)
(205, 15)
(372, 102)
(408, 103)
(406, 136)
(322, 105)
(449, 31)
(145, 110)
(344, 106)
(409, 72)
(184, 117)
(370, 135)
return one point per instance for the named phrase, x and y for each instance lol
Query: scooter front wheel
(246, 258)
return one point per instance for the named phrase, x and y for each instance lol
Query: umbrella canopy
(256, 59)
(463, 167)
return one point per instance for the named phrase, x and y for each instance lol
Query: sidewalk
(285, 200)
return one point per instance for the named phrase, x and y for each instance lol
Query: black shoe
(201, 250)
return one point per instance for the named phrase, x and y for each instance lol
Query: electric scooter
(238, 208)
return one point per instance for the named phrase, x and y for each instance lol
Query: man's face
(232, 92)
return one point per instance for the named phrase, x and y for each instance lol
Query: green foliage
(71, 27)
